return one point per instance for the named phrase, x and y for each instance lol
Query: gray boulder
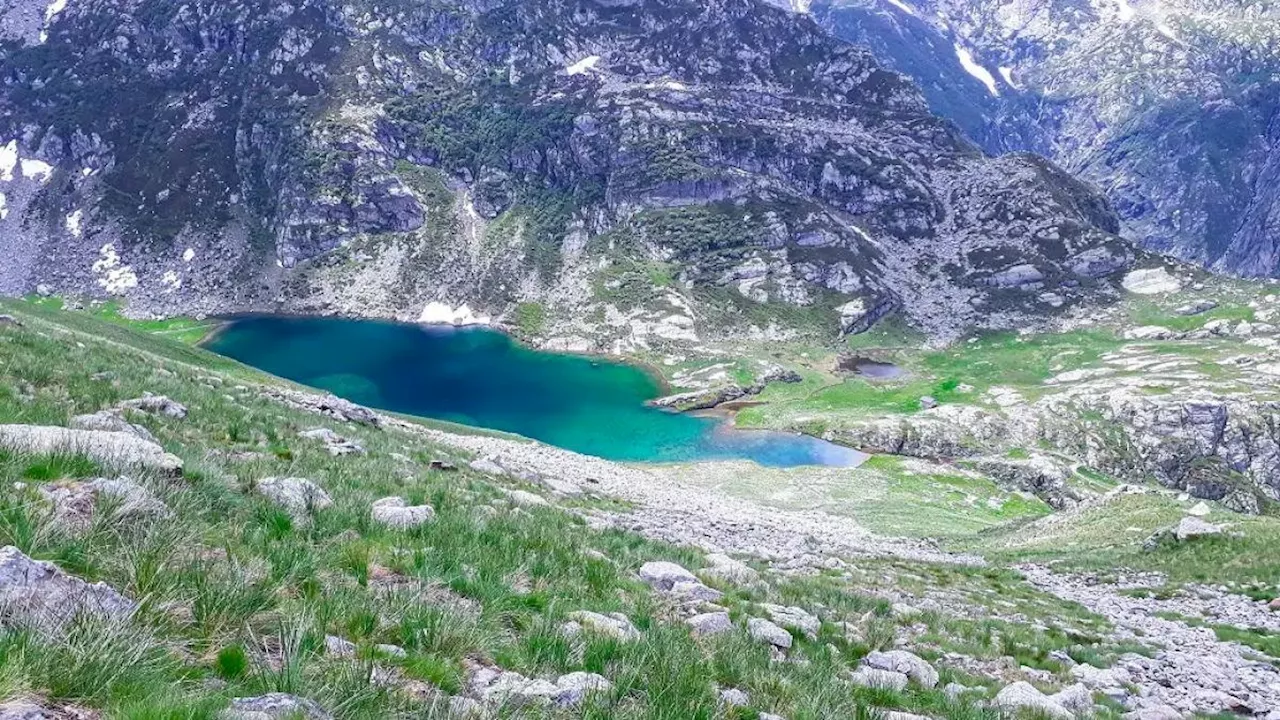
(395, 513)
(723, 567)
(1022, 696)
(762, 630)
(298, 496)
(1191, 527)
(663, 575)
(874, 678)
(156, 405)
(117, 449)
(336, 444)
(712, 623)
(74, 503)
(109, 421)
(793, 617)
(614, 625)
(41, 596)
(909, 664)
(274, 706)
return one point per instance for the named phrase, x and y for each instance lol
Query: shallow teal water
(482, 378)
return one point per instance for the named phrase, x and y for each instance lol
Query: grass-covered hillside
(233, 595)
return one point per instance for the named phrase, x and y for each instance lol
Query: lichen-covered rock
(614, 625)
(41, 596)
(116, 449)
(109, 421)
(75, 503)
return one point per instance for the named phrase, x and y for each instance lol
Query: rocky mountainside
(597, 173)
(1171, 106)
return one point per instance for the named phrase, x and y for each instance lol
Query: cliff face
(1170, 107)
(593, 165)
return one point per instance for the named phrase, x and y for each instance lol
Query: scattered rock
(734, 697)
(1151, 281)
(874, 678)
(663, 575)
(336, 444)
(339, 647)
(764, 631)
(1200, 509)
(110, 421)
(909, 664)
(1150, 332)
(1196, 308)
(523, 498)
(274, 706)
(1024, 696)
(39, 595)
(723, 567)
(695, 592)
(156, 405)
(74, 503)
(1193, 527)
(394, 513)
(1153, 712)
(614, 625)
(928, 402)
(10, 320)
(442, 465)
(488, 467)
(712, 623)
(1076, 698)
(793, 617)
(298, 496)
(108, 448)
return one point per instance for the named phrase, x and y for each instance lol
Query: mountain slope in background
(1172, 107)
(605, 171)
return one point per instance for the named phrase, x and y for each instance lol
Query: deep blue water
(480, 377)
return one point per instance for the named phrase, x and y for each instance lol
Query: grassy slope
(237, 597)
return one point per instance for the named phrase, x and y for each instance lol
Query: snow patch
(8, 160)
(1007, 74)
(50, 12)
(114, 277)
(86, 172)
(37, 170)
(1166, 31)
(665, 84)
(4, 207)
(188, 255)
(903, 7)
(973, 68)
(438, 313)
(73, 223)
(171, 279)
(582, 65)
(1125, 11)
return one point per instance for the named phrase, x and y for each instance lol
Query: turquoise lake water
(482, 378)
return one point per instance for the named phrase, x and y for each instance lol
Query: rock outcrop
(113, 449)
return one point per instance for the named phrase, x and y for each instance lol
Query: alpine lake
(482, 378)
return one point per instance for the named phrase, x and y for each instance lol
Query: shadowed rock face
(1169, 107)
(297, 156)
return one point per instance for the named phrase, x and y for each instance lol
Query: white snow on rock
(582, 65)
(73, 222)
(8, 160)
(37, 170)
(114, 277)
(188, 255)
(1125, 11)
(438, 313)
(972, 67)
(903, 7)
(1007, 74)
(4, 207)
(50, 13)
(171, 279)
